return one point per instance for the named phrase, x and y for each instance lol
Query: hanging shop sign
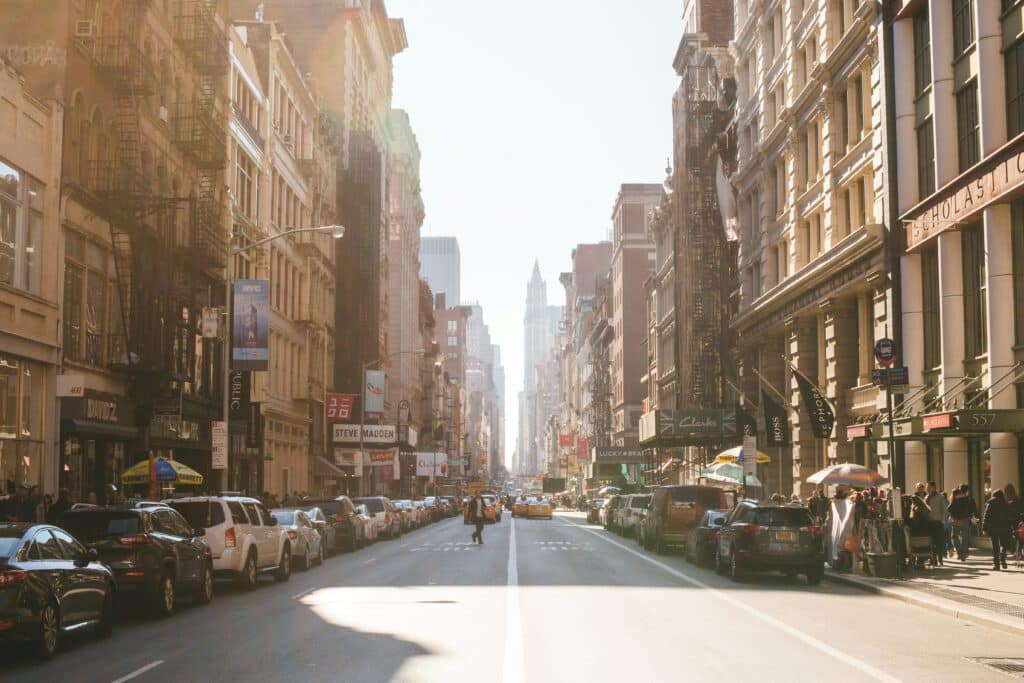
(373, 391)
(339, 407)
(239, 387)
(566, 440)
(687, 425)
(385, 457)
(616, 455)
(431, 464)
(250, 340)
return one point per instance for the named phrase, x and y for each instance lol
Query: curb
(976, 616)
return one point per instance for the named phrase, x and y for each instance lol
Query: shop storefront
(96, 435)
(23, 419)
(184, 439)
(678, 444)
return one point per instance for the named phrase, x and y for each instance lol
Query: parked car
(703, 538)
(155, 554)
(406, 514)
(674, 510)
(339, 512)
(758, 537)
(243, 536)
(630, 513)
(436, 507)
(609, 511)
(383, 512)
(307, 546)
(50, 584)
(594, 510)
(328, 535)
(450, 506)
(365, 526)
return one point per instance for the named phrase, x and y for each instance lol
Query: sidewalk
(969, 590)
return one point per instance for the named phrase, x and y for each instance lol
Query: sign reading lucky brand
(347, 433)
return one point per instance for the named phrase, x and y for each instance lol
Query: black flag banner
(746, 425)
(818, 408)
(776, 422)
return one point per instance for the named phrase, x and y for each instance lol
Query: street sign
(748, 456)
(891, 377)
(219, 445)
(885, 351)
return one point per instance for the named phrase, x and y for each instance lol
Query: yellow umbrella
(733, 454)
(168, 471)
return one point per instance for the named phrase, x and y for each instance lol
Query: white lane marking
(305, 592)
(372, 559)
(819, 645)
(139, 671)
(513, 672)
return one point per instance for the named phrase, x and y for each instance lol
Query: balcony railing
(115, 181)
(210, 237)
(202, 133)
(125, 66)
(247, 125)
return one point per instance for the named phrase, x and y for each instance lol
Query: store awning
(100, 428)
(972, 423)
(322, 467)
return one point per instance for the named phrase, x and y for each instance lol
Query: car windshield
(599, 503)
(640, 501)
(374, 505)
(96, 525)
(782, 517)
(284, 517)
(200, 514)
(8, 544)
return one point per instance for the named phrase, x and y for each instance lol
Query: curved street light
(336, 232)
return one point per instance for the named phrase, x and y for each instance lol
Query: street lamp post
(335, 231)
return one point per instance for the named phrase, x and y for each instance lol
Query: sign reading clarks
(349, 433)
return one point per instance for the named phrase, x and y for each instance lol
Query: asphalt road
(543, 600)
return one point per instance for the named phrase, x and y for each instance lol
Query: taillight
(750, 529)
(340, 517)
(292, 535)
(229, 538)
(814, 529)
(136, 539)
(13, 577)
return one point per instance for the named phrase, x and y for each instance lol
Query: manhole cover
(1012, 667)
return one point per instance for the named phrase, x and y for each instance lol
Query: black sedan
(701, 542)
(50, 585)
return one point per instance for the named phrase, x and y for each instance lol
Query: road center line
(139, 671)
(806, 638)
(513, 669)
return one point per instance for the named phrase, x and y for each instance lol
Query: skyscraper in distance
(440, 265)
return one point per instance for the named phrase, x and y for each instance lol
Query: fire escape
(200, 127)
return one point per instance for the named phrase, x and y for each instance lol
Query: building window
(930, 308)
(453, 326)
(1017, 234)
(246, 184)
(922, 53)
(975, 291)
(963, 26)
(967, 130)
(1014, 60)
(21, 227)
(843, 129)
(93, 328)
(22, 385)
(925, 158)
(453, 341)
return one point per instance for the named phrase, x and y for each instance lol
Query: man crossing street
(476, 515)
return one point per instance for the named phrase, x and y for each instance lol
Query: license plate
(784, 536)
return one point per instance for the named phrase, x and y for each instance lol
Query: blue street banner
(250, 315)
(373, 391)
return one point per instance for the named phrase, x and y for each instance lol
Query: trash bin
(882, 565)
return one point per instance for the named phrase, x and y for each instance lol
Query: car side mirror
(196, 533)
(92, 554)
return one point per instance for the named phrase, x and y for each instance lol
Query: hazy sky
(529, 115)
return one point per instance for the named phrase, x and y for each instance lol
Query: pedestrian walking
(997, 524)
(1016, 515)
(937, 509)
(962, 509)
(476, 515)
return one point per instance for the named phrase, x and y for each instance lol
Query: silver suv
(243, 536)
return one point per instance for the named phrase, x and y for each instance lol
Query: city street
(575, 603)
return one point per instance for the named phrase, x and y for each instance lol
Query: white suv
(384, 514)
(243, 536)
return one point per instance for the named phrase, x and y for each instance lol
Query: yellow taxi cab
(540, 508)
(520, 507)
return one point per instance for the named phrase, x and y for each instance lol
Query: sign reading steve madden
(349, 433)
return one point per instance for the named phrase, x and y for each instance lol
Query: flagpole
(785, 401)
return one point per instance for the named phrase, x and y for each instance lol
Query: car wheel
(659, 544)
(164, 599)
(284, 567)
(105, 628)
(815, 573)
(204, 593)
(247, 579)
(49, 630)
(735, 570)
(321, 554)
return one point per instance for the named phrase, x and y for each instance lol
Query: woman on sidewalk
(997, 524)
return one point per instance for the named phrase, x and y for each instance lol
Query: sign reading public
(250, 348)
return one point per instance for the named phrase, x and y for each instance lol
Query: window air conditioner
(85, 28)
(163, 114)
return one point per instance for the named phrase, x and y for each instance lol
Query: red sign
(383, 457)
(568, 440)
(339, 407)
(583, 450)
(857, 431)
(939, 421)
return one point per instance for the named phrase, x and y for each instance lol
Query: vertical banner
(749, 455)
(373, 391)
(776, 422)
(219, 445)
(249, 335)
(817, 406)
(238, 399)
(746, 425)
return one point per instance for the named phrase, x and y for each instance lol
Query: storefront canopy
(325, 468)
(687, 427)
(971, 423)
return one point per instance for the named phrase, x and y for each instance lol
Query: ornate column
(951, 310)
(940, 15)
